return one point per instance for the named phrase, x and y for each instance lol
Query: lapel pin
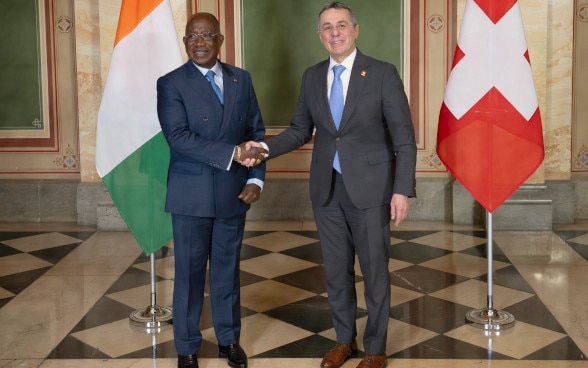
(363, 73)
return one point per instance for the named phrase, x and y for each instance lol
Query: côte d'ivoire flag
(490, 136)
(132, 155)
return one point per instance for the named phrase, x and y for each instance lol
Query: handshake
(249, 153)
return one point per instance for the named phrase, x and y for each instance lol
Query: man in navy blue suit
(207, 108)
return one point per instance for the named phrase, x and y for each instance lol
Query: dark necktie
(336, 103)
(210, 77)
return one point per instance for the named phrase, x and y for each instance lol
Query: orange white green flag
(132, 156)
(490, 136)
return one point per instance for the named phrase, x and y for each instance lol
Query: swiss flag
(490, 136)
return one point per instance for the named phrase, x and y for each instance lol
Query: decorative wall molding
(51, 149)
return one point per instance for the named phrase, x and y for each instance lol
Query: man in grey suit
(362, 173)
(206, 108)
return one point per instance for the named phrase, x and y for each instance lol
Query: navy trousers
(199, 241)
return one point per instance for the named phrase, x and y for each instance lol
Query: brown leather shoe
(373, 361)
(338, 355)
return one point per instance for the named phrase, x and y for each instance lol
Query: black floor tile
(10, 235)
(570, 234)
(415, 253)
(312, 314)
(412, 234)
(423, 279)
(5, 301)
(314, 346)
(131, 278)
(511, 278)
(253, 233)
(5, 250)
(247, 252)
(54, 254)
(162, 252)
(159, 350)
(431, 313)
(311, 279)
(311, 252)
(246, 278)
(82, 235)
(482, 251)
(72, 348)
(581, 249)
(534, 312)
(563, 349)
(443, 347)
(477, 233)
(104, 311)
(20, 281)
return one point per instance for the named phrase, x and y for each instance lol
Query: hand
(249, 153)
(399, 208)
(250, 193)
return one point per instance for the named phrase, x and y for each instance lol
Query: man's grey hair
(338, 5)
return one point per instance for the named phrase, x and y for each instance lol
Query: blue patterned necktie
(210, 77)
(336, 103)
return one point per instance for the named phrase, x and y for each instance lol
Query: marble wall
(580, 94)
(553, 29)
(548, 27)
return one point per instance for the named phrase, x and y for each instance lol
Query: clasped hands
(249, 153)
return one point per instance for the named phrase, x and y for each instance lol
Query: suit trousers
(345, 230)
(197, 241)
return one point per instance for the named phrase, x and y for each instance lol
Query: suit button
(337, 139)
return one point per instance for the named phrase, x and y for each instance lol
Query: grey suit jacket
(375, 140)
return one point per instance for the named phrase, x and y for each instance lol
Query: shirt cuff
(266, 148)
(257, 182)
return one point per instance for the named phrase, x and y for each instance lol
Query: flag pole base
(152, 317)
(490, 319)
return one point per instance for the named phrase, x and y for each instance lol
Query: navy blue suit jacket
(202, 136)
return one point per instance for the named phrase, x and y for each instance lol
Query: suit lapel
(199, 84)
(323, 92)
(359, 77)
(230, 83)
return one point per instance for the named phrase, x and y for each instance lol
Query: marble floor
(66, 293)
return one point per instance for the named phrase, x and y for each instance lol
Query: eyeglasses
(191, 37)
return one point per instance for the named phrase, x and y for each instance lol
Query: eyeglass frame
(207, 36)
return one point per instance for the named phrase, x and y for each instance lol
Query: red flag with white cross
(490, 136)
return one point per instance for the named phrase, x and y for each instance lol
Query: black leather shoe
(187, 361)
(235, 355)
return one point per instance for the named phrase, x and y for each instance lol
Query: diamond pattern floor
(67, 295)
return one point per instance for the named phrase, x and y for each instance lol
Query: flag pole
(153, 317)
(489, 318)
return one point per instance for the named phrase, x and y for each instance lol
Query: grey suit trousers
(344, 231)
